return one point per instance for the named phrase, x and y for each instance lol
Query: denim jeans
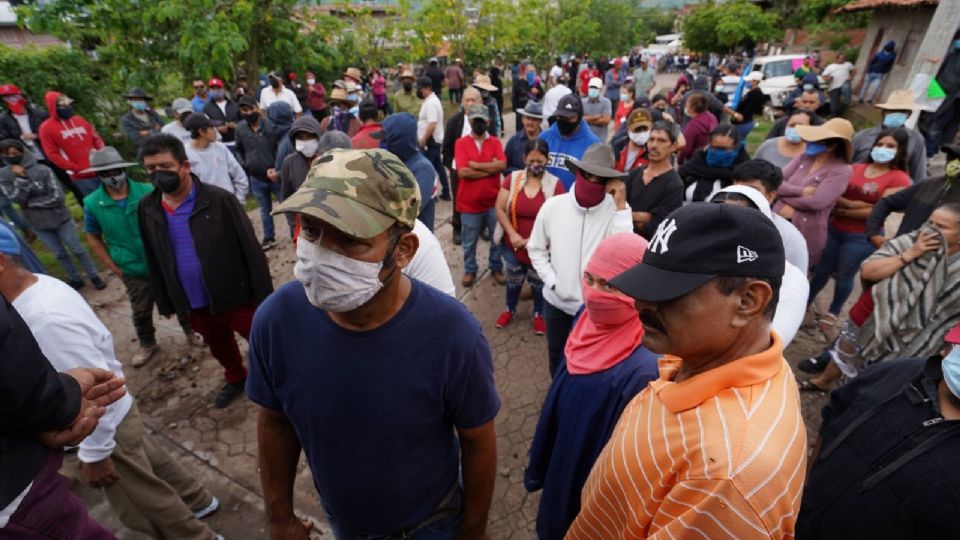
(744, 129)
(7, 209)
(842, 256)
(516, 272)
(59, 240)
(559, 324)
(444, 529)
(870, 86)
(433, 155)
(262, 190)
(428, 212)
(471, 226)
(87, 186)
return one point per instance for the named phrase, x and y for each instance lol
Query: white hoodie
(564, 238)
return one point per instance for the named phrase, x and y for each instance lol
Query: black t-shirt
(662, 195)
(751, 105)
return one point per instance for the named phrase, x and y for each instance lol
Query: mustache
(652, 320)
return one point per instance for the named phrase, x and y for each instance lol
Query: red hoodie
(67, 143)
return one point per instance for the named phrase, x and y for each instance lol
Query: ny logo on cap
(661, 239)
(746, 255)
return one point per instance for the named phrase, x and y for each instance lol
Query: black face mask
(251, 118)
(407, 86)
(566, 127)
(65, 113)
(13, 160)
(166, 181)
(274, 83)
(479, 127)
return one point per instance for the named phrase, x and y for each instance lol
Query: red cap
(292, 76)
(215, 82)
(953, 336)
(9, 90)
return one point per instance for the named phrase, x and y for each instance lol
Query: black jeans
(559, 324)
(141, 304)
(455, 218)
(433, 155)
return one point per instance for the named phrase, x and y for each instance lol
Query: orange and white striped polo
(720, 455)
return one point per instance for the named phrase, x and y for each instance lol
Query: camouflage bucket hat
(360, 192)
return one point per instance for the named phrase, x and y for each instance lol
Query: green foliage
(723, 27)
(652, 23)
(829, 29)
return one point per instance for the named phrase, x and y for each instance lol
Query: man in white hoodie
(567, 231)
(150, 492)
(212, 162)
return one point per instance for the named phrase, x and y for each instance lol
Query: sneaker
(456, 237)
(499, 277)
(209, 509)
(815, 364)
(539, 325)
(228, 393)
(268, 244)
(195, 340)
(144, 355)
(504, 319)
(220, 537)
(98, 283)
(76, 284)
(445, 197)
(468, 279)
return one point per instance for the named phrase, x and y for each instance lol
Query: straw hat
(353, 73)
(338, 94)
(483, 82)
(901, 100)
(407, 74)
(835, 128)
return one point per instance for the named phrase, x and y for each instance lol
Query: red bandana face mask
(16, 104)
(587, 193)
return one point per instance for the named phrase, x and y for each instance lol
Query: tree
(652, 23)
(722, 27)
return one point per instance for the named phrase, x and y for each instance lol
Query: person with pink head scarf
(605, 367)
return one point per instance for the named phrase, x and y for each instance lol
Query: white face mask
(335, 282)
(640, 138)
(308, 148)
(311, 81)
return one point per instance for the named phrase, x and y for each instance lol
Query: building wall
(905, 26)
(18, 38)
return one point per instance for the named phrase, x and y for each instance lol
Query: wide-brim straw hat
(483, 82)
(597, 160)
(901, 100)
(835, 128)
(338, 94)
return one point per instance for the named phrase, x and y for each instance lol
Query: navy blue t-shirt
(375, 411)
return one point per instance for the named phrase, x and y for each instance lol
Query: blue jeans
(87, 186)
(261, 192)
(471, 225)
(7, 209)
(516, 272)
(745, 129)
(870, 86)
(842, 256)
(444, 529)
(59, 240)
(428, 212)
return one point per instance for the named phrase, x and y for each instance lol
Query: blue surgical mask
(593, 93)
(792, 135)
(882, 155)
(956, 44)
(139, 105)
(353, 98)
(355, 111)
(531, 78)
(721, 158)
(951, 370)
(815, 148)
(807, 87)
(217, 94)
(895, 119)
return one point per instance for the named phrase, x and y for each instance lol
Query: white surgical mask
(335, 282)
(624, 97)
(308, 148)
(311, 81)
(593, 93)
(640, 138)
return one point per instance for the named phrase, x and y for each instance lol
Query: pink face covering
(609, 329)
(588, 194)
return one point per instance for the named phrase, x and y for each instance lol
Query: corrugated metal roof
(861, 5)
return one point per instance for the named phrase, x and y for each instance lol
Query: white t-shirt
(24, 121)
(840, 74)
(215, 165)
(70, 336)
(268, 97)
(428, 264)
(552, 98)
(174, 128)
(794, 290)
(555, 73)
(431, 112)
(794, 244)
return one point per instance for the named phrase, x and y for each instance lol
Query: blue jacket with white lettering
(563, 148)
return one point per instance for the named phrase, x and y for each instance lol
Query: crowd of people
(668, 271)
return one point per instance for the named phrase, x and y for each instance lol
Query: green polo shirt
(404, 102)
(116, 222)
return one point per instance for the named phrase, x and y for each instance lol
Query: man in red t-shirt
(585, 77)
(479, 160)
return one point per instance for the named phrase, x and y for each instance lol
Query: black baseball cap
(569, 108)
(699, 242)
(248, 101)
(199, 121)
(424, 82)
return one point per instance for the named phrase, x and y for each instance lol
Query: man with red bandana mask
(19, 119)
(565, 234)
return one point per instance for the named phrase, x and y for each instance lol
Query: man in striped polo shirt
(716, 447)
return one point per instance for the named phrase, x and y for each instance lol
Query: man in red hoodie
(67, 139)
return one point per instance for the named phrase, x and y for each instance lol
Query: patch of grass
(756, 137)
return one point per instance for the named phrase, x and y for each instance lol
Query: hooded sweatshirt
(564, 148)
(281, 119)
(67, 143)
(564, 238)
(883, 60)
(293, 170)
(400, 138)
(39, 195)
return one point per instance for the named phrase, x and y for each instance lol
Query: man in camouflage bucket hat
(384, 382)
